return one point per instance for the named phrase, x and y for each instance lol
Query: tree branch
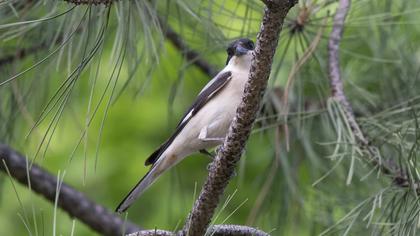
(21, 54)
(333, 55)
(79, 206)
(188, 53)
(336, 82)
(337, 90)
(222, 168)
(99, 218)
(216, 230)
(75, 203)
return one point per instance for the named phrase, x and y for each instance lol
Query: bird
(206, 122)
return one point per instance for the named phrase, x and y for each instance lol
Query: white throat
(243, 61)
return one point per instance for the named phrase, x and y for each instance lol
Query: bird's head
(239, 48)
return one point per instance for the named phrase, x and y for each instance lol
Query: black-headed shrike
(206, 122)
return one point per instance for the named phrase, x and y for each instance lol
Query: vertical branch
(222, 168)
(336, 84)
(338, 94)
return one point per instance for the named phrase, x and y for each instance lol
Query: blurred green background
(137, 85)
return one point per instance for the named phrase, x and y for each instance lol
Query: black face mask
(239, 47)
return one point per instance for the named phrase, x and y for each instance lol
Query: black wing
(205, 95)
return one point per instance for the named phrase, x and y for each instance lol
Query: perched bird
(206, 122)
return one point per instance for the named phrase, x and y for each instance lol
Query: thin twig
(21, 54)
(222, 168)
(75, 203)
(186, 51)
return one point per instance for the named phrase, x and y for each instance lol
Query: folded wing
(211, 89)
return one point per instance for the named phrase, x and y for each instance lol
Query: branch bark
(388, 168)
(222, 168)
(75, 203)
(216, 230)
(336, 83)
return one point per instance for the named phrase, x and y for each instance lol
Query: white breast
(218, 112)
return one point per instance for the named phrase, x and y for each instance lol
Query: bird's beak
(239, 51)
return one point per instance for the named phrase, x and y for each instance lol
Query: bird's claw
(207, 153)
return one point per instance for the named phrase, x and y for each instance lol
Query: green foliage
(91, 91)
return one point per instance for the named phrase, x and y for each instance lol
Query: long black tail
(140, 187)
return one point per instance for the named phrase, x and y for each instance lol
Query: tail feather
(140, 187)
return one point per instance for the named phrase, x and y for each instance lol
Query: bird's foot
(207, 153)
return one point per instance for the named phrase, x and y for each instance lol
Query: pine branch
(222, 168)
(216, 230)
(388, 168)
(336, 83)
(79, 206)
(176, 40)
(22, 53)
(75, 203)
